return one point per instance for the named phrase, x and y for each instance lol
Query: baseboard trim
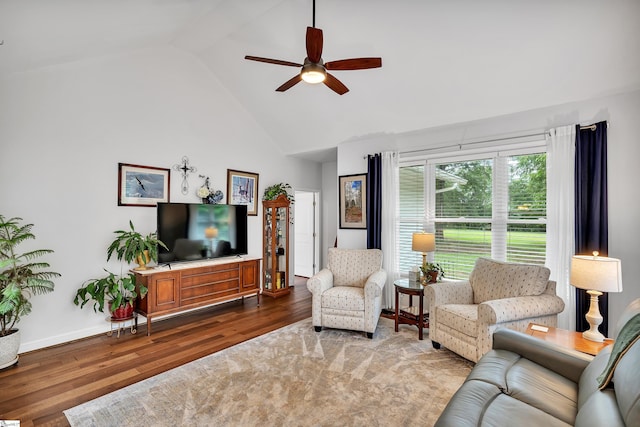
(62, 339)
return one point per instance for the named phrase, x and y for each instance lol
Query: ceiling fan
(314, 69)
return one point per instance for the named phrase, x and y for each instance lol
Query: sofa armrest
(563, 361)
(375, 283)
(518, 308)
(449, 293)
(320, 282)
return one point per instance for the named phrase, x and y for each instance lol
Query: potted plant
(432, 272)
(272, 192)
(131, 246)
(21, 275)
(118, 291)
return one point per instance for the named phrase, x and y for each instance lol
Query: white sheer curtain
(390, 203)
(560, 216)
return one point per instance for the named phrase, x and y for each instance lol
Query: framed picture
(142, 185)
(353, 201)
(242, 189)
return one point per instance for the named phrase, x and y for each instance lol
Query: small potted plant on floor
(119, 292)
(432, 272)
(131, 245)
(21, 275)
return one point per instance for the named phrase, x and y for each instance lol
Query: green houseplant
(273, 191)
(118, 291)
(432, 272)
(131, 245)
(21, 276)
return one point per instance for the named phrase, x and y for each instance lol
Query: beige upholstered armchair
(347, 293)
(464, 315)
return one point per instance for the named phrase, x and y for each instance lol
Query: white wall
(621, 111)
(329, 206)
(63, 131)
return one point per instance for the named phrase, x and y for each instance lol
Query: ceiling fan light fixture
(313, 73)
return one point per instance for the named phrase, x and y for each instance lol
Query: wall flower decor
(208, 195)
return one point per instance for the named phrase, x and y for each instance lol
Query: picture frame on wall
(242, 189)
(142, 185)
(352, 195)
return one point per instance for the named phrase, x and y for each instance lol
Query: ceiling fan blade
(272, 61)
(314, 44)
(335, 85)
(289, 83)
(354, 64)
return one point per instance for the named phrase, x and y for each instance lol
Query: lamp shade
(210, 232)
(596, 273)
(423, 242)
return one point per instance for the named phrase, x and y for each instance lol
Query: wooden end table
(411, 315)
(568, 339)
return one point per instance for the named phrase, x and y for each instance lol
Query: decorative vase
(142, 260)
(9, 347)
(122, 312)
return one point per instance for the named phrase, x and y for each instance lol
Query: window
(487, 206)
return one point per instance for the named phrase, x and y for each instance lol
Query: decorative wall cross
(185, 169)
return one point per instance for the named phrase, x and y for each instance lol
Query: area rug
(294, 377)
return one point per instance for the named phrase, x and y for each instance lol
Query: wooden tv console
(184, 286)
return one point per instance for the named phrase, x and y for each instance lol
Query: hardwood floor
(46, 382)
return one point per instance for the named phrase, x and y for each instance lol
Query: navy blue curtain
(374, 202)
(591, 216)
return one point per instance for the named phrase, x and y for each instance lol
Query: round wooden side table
(411, 315)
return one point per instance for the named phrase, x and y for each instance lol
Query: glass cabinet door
(276, 247)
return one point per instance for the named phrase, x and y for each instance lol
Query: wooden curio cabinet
(275, 229)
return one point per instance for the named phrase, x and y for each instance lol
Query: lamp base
(593, 336)
(594, 318)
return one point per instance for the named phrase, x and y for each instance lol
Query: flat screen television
(195, 231)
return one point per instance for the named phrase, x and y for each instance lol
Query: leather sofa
(525, 381)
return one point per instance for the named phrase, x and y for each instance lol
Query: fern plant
(21, 274)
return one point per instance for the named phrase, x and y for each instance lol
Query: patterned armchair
(464, 315)
(347, 294)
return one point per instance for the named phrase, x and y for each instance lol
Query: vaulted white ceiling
(443, 61)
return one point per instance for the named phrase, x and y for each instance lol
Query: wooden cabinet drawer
(208, 291)
(191, 280)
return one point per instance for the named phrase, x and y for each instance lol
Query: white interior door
(306, 233)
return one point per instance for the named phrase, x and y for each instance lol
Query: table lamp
(210, 233)
(423, 242)
(596, 275)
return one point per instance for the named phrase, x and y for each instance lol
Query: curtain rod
(484, 141)
(366, 156)
(593, 126)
